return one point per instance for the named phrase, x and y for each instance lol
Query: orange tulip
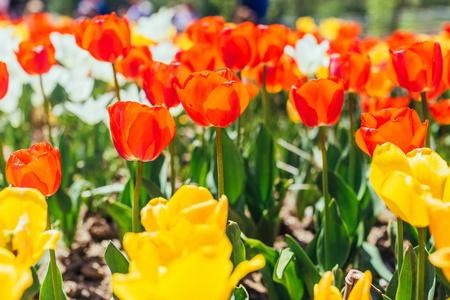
(107, 37)
(400, 38)
(374, 104)
(159, 82)
(270, 42)
(213, 98)
(401, 127)
(238, 46)
(206, 29)
(378, 84)
(38, 167)
(199, 57)
(43, 24)
(4, 79)
(140, 132)
(353, 69)
(319, 102)
(130, 66)
(36, 56)
(440, 111)
(417, 68)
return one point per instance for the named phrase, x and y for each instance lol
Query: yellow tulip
(184, 246)
(306, 25)
(441, 259)
(15, 278)
(406, 182)
(325, 290)
(439, 213)
(23, 220)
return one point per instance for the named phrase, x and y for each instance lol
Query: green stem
(399, 244)
(47, 111)
(172, 166)
(238, 129)
(352, 158)
(3, 163)
(137, 192)
(219, 161)
(325, 195)
(265, 97)
(116, 83)
(426, 117)
(53, 266)
(421, 269)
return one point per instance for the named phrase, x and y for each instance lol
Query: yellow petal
(154, 215)
(405, 197)
(246, 267)
(325, 290)
(439, 214)
(441, 259)
(446, 197)
(47, 240)
(429, 169)
(132, 287)
(361, 290)
(386, 159)
(143, 253)
(15, 279)
(185, 197)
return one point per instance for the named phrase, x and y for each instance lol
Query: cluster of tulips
(188, 250)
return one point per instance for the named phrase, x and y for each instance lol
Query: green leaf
(233, 169)
(407, 280)
(152, 188)
(199, 164)
(116, 261)
(46, 292)
(126, 197)
(240, 293)
(372, 260)
(234, 235)
(64, 151)
(286, 273)
(269, 225)
(339, 241)
(122, 216)
(393, 286)
(34, 288)
(310, 274)
(346, 199)
(430, 275)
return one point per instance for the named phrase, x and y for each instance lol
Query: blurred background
(378, 17)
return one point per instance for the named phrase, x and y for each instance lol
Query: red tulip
(213, 98)
(38, 167)
(205, 30)
(4, 79)
(159, 82)
(140, 132)
(130, 66)
(401, 127)
(36, 56)
(417, 68)
(106, 37)
(440, 111)
(270, 42)
(319, 102)
(353, 69)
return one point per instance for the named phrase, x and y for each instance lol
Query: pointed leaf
(234, 235)
(407, 280)
(115, 259)
(286, 273)
(46, 292)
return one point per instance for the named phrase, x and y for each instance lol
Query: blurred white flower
(92, 111)
(132, 93)
(309, 55)
(164, 52)
(49, 81)
(158, 27)
(10, 102)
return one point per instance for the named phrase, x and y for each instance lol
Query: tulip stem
(137, 193)
(47, 111)
(53, 266)
(219, 161)
(426, 117)
(3, 163)
(399, 244)
(421, 269)
(116, 83)
(265, 97)
(352, 157)
(172, 166)
(325, 195)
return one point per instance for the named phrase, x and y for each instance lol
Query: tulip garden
(230, 161)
